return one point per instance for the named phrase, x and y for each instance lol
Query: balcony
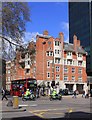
(69, 57)
(79, 58)
(27, 66)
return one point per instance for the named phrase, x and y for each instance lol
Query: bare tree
(14, 18)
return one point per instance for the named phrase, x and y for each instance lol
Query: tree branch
(9, 41)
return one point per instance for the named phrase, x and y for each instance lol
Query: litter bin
(15, 102)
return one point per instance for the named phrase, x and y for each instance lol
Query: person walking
(74, 94)
(4, 94)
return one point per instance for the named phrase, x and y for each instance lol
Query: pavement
(21, 108)
(44, 108)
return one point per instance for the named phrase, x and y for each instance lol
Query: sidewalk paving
(6, 108)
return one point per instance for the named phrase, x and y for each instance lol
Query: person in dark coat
(4, 94)
(74, 94)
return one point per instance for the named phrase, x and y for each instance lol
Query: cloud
(29, 36)
(65, 29)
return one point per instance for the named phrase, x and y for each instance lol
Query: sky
(50, 16)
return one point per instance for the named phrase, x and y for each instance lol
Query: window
(80, 71)
(79, 55)
(73, 70)
(73, 62)
(80, 78)
(57, 68)
(49, 53)
(69, 53)
(57, 60)
(73, 78)
(57, 51)
(8, 79)
(57, 77)
(48, 64)
(65, 78)
(28, 62)
(8, 71)
(65, 69)
(27, 70)
(69, 62)
(48, 75)
(79, 63)
(56, 43)
(64, 61)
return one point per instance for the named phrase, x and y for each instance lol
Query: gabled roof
(43, 36)
(70, 47)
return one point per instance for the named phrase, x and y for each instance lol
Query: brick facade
(54, 60)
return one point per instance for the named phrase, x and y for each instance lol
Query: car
(70, 92)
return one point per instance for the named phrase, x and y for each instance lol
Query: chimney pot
(45, 32)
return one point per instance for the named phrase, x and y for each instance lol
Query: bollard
(15, 102)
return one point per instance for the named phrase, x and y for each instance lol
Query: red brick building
(53, 60)
(61, 62)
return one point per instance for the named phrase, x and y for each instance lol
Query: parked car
(70, 92)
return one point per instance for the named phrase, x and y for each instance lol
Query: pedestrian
(83, 95)
(74, 94)
(4, 94)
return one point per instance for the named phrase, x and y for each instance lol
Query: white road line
(27, 105)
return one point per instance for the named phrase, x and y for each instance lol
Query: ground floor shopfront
(71, 86)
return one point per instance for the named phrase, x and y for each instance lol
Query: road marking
(40, 113)
(27, 105)
(50, 109)
(70, 110)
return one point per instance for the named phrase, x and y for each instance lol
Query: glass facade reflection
(80, 24)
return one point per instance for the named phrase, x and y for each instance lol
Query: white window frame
(57, 43)
(79, 78)
(65, 70)
(65, 78)
(48, 74)
(73, 78)
(57, 68)
(57, 77)
(8, 71)
(48, 64)
(80, 70)
(57, 60)
(69, 53)
(73, 70)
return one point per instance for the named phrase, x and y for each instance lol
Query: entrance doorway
(69, 86)
(79, 87)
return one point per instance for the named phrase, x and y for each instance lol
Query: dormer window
(69, 53)
(56, 43)
(79, 55)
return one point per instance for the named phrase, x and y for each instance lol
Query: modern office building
(80, 24)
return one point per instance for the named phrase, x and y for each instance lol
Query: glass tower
(80, 24)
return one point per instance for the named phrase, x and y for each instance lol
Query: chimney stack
(61, 37)
(45, 32)
(78, 43)
(75, 42)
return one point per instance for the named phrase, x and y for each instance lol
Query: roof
(44, 36)
(70, 47)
